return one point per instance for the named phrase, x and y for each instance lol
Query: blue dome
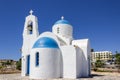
(45, 42)
(62, 22)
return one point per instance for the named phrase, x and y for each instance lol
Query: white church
(53, 54)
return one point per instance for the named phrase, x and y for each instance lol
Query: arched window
(30, 27)
(37, 59)
(58, 30)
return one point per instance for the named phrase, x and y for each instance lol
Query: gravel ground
(95, 76)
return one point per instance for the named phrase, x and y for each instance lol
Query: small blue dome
(45, 42)
(62, 22)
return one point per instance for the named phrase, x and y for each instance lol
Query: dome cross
(62, 18)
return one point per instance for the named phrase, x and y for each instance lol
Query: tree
(92, 50)
(99, 64)
(8, 63)
(1, 68)
(18, 64)
(117, 60)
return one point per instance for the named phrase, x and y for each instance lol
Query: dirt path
(95, 76)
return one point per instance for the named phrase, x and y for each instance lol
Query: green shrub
(18, 64)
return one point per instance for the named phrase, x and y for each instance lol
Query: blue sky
(98, 20)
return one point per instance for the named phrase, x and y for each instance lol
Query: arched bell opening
(30, 27)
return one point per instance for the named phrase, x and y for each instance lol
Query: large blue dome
(62, 22)
(45, 42)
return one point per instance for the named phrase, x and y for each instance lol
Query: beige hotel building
(101, 55)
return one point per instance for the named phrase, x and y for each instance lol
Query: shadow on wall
(81, 63)
(61, 65)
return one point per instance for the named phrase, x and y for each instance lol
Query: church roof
(62, 22)
(45, 42)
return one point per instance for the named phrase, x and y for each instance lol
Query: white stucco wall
(28, 40)
(84, 45)
(69, 61)
(79, 62)
(73, 62)
(49, 63)
(64, 30)
(23, 68)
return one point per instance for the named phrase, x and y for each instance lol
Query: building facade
(53, 54)
(101, 55)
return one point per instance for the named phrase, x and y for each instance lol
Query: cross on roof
(31, 12)
(62, 18)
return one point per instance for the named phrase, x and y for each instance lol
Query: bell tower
(30, 33)
(31, 26)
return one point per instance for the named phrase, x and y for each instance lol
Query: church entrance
(28, 65)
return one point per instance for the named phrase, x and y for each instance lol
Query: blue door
(28, 65)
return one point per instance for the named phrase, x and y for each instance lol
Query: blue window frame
(28, 65)
(37, 59)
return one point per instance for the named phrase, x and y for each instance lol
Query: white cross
(31, 12)
(62, 17)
